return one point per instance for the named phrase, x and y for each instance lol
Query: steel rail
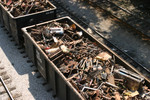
(107, 42)
(3, 83)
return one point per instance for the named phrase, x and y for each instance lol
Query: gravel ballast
(22, 74)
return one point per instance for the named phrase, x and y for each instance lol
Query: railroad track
(63, 10)
(139, 9)
(7, 89)
(132, 20)
(5, 93)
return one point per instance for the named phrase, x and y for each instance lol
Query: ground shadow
(36, 90)
(123, 37)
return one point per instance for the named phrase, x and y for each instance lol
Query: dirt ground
(140, 8)
(120, 35)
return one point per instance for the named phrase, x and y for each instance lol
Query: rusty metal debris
(91, 70)
(133, 81)
(23, 7)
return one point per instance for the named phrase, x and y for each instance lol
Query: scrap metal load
(23, 7)
(91, 70)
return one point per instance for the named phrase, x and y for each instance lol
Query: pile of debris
(23, 7)
(91, 70)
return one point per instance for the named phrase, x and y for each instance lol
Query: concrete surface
(21, 72)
